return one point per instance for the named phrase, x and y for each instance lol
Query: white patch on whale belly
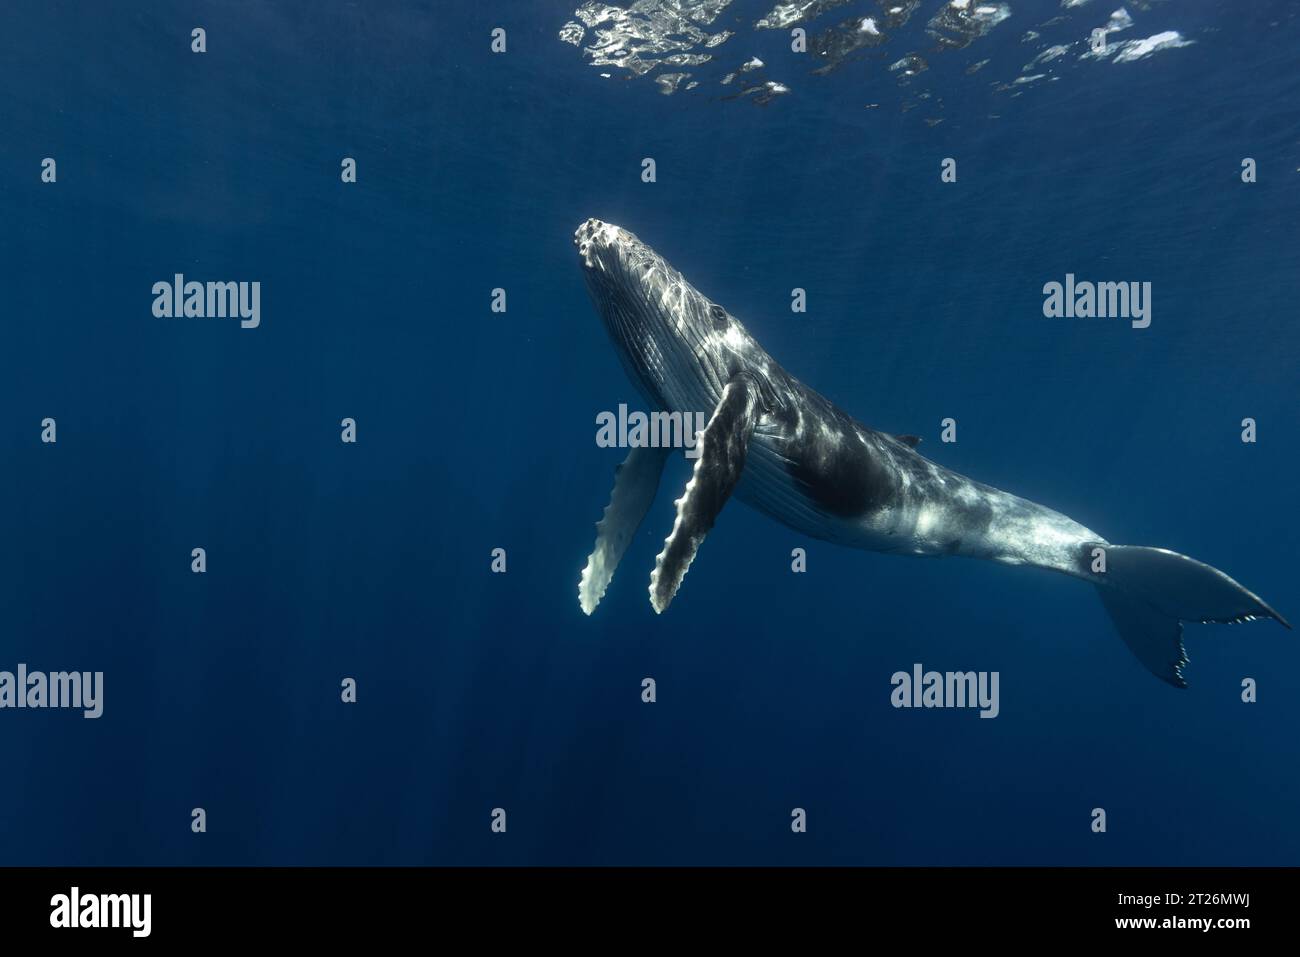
(926, 518)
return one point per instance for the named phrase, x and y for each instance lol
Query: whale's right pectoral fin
(721, 449)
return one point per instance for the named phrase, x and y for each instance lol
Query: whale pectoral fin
(912, 440)
(721, 446)
(635, 484)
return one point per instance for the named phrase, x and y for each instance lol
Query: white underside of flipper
(635, 484)
(722, 448)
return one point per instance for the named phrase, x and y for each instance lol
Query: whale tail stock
(1150, 592)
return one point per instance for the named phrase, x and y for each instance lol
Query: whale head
(677, 346)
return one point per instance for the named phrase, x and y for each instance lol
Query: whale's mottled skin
(794, 455)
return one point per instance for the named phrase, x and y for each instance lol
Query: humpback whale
(789, 452)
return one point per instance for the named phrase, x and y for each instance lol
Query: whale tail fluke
(1150, 592)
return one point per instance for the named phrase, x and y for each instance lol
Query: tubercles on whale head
(594, 237)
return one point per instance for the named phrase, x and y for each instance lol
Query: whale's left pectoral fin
(721, 449)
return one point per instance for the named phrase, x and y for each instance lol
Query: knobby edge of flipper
(636, 481)
(722, 447)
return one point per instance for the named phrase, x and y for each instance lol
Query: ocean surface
(475, 429)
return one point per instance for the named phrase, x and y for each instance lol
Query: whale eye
(719, 316)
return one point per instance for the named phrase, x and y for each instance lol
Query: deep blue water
(475, 431)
